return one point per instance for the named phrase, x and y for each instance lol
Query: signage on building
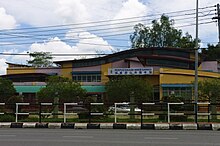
(130, 71)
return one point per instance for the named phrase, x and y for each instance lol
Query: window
(185, 92)
(171, 63)
(87, 77)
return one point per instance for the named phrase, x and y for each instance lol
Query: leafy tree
(122, 89)
(41, 59)
(6, 89)
(63, 88)
(212, 52)
(12, 101)
(160, 34)
(129, 89)
(59, 89)
(209, 89)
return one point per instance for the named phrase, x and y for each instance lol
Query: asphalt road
(113, 137)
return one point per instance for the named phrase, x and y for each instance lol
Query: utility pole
(196, 62)
(218, 18)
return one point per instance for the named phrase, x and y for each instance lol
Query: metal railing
(154, 110)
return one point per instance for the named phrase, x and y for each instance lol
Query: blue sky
(86, 26)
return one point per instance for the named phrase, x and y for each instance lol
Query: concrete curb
(216, 127)
(54, 125)
(189, 126)
(133, 126)
(5, 125)
(67, 125)
(129, 126)
(204, 126)
(106, 126)
(29, 125)
(162, 126)
(176, 126)
(80, 126)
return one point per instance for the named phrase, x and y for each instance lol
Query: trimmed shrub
(7, 118)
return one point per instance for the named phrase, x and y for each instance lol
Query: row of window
(178, 91)
(167, 63)
(87, 78)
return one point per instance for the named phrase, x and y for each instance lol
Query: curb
(129, 126)
(67, 125)
(189, 126)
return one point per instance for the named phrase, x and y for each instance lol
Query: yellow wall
(66, 70)
(20, 70)
(153, 79)
(104, 70)
(182, 76)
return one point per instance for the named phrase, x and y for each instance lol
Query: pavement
(130, 126)
(107, 137)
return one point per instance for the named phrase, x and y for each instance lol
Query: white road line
(72, 136)
(7, 135)
(161, 138)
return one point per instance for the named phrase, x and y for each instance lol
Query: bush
(7, 118)
(83, 115)
(12, 101)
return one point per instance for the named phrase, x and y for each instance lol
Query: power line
(199, 24)
(31, 42)
(102, 21)
(99, 25)
(23, 42)
(119, 46)
(77, 54)
(57, 34)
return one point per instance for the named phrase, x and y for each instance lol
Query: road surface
(107, 137)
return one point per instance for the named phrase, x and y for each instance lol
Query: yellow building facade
(170, 70)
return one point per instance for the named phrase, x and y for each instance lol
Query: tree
(7, 89)
(59, 89)
(129, 89)
(160, 34)
(209, 89)
(122, 89)
(212, 52)
(41, 59)
(63, 88)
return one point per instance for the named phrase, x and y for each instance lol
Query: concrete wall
(21, 70)
(91, 68)
(66, 70)
(210, 66)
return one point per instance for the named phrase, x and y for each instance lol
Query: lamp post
(196, 65)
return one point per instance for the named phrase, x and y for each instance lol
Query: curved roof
(173, 54)
(26, 77)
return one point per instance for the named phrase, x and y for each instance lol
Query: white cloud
(34, 12)
(129, 9)
(72, 11)
(54, 12)
(7, 21)
(162, 6)
(88, 44)
(3, 66)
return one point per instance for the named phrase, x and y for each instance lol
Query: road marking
(161, 138)
(72, 136)
(7, 135)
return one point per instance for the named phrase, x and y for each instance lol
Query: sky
(90, 26)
